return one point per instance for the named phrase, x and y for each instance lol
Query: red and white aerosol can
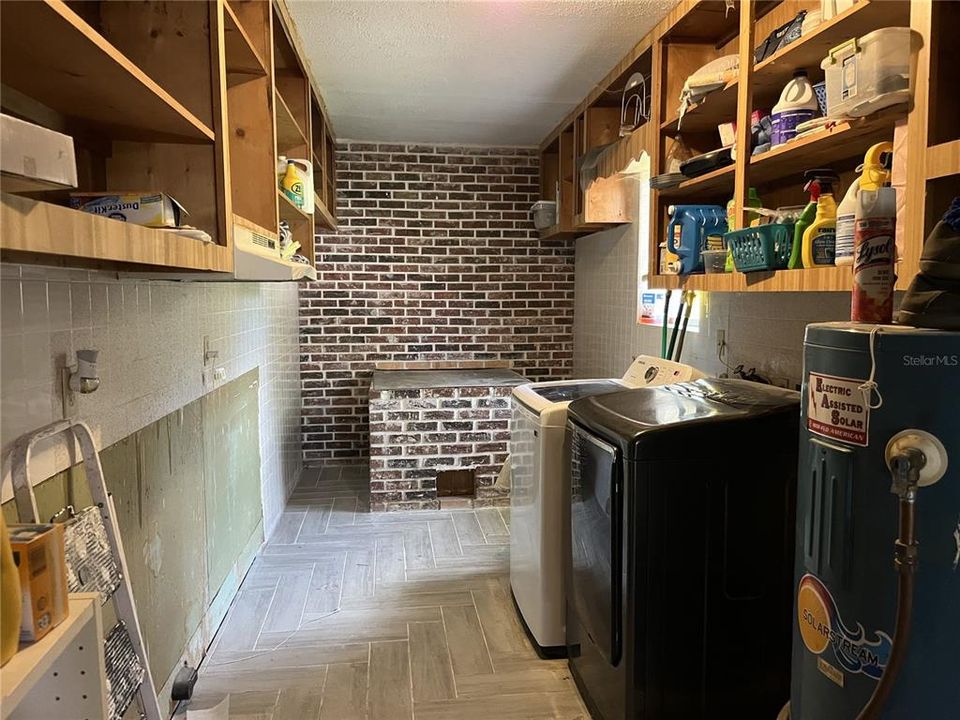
(875, 247)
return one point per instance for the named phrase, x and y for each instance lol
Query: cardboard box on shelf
(35, 158)
(39, 556)
(153, 209)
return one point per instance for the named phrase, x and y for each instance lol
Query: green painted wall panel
(187, 494)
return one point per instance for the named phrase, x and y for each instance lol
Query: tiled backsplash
(436, 260)
(151, 340)
(763, 330)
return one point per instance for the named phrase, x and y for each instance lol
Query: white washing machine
(540, 485)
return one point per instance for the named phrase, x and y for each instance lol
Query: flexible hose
(906, 559)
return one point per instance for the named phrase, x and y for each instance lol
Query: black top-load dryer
(682, 514)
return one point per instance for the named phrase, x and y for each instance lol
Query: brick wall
(416, 433)
(436, 259)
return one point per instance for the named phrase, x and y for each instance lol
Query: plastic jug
(798, 103)
(688, 230)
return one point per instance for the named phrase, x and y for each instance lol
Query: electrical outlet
(219, 374)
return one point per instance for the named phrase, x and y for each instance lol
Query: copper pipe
(905, 561)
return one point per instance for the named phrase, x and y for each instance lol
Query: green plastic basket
(765, 247)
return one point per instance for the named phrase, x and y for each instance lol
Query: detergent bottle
(875, 246)
(876, 175)
(798, 103)
(292, 185)
(688, 230)
(820, 238)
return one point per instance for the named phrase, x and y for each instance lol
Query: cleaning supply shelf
(289, 133)
(846, 139)
(716, 108)
(825, 279)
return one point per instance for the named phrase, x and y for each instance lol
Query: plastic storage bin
(714, 261)
(866, 74)
(544, 214)
(765, 247)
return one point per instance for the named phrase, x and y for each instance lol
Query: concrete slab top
(421, 379)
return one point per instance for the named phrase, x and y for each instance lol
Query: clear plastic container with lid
(868, 73)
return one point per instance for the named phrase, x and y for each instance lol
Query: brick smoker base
(416, 433)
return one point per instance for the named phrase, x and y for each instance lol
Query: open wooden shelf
(321, 215)
(34, 227)
(712, 183)
(943, 160)
(51, 54)
(772, 74)
(243, 61)
(826, 279)
(290, 212)
(715, 109)
(289, 133)
(846, 139)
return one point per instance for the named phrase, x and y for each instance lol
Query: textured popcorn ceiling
(501, 73)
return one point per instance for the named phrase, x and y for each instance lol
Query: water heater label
(836, 409)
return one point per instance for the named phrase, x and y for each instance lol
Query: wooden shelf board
(321, 215)
(243, 62)
(33, 661)
(716, 108)
(846, 139)
(51, 54)
(943, 160)
(714, 182)
(557, 232)
(290, 212)
(32, 226)
(289, 133)
(772, 74)
(827, 279)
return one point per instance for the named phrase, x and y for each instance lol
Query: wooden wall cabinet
(194, 99)
(698, 31)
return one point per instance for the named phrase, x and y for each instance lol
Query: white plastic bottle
(798, 103)
(846, 218)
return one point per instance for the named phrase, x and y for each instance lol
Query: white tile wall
(150, 336)
(763, 330)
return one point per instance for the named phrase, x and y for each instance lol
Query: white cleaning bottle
(846, 216)
(873, 175)
(798, 103)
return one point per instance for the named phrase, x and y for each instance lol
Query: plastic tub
(544, 214)
(866, 74)
(714, 261)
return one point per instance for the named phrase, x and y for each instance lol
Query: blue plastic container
(688, 230)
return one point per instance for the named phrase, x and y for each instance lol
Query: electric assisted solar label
(836, 409)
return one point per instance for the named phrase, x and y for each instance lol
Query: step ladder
(95, 563)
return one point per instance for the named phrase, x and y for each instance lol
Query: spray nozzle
(823, 179)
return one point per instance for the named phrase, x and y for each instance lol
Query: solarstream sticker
(836, 409)
(821, 627)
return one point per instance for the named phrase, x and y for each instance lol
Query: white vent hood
(256, 257)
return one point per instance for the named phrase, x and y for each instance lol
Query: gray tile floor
(347, 615)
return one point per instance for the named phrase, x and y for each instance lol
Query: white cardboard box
(34, 158)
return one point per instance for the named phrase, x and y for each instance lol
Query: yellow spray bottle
(819, 239)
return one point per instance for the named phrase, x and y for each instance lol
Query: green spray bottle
(816, 179)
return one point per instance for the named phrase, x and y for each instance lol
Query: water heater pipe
(916, 459)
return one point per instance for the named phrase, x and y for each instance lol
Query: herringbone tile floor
(386, 616)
